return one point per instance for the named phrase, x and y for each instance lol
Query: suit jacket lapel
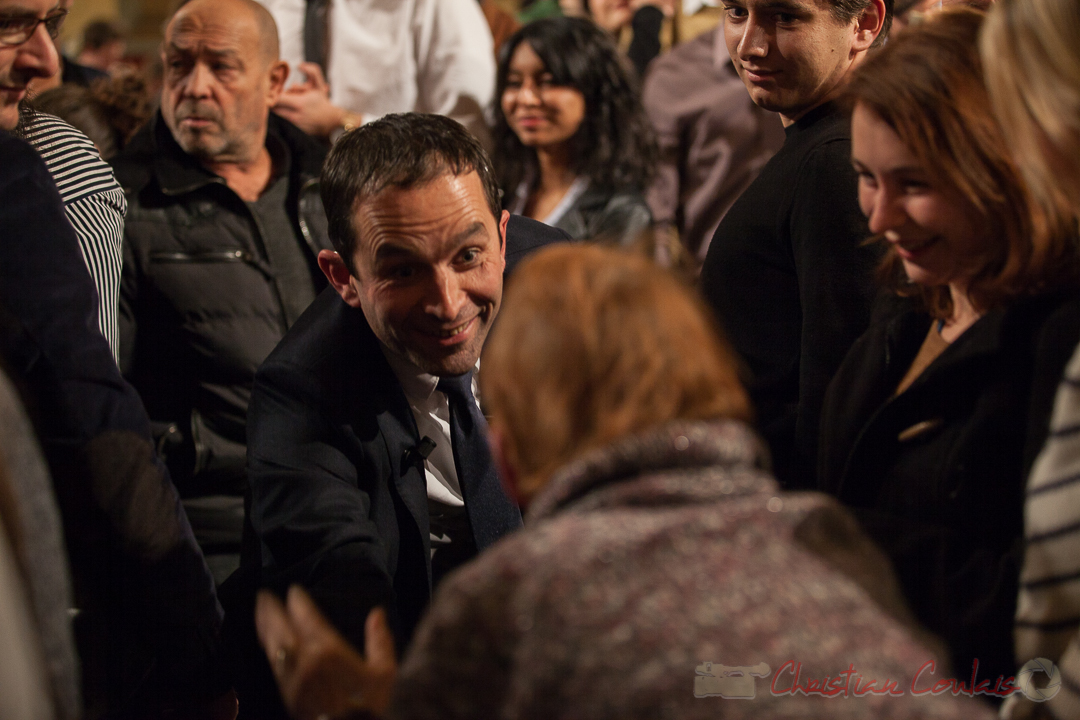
(379, 392)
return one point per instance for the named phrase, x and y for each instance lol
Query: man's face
(792, 55)
(218, 86)
(19, 64)
(428, 270)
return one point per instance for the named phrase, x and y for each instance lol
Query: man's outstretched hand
(319, 674)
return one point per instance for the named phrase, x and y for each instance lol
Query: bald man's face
(220, 81)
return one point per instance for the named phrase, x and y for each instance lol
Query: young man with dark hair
(787, 272)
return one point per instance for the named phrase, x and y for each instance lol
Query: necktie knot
(458, 387)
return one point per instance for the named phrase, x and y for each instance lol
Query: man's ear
(340, 278)
(869, 26)
(279, 73)
(505, 218)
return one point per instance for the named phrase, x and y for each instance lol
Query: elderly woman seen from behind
(659, 558)
(933, 419)
(1032, 57)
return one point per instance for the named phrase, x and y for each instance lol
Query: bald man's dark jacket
(200, 302)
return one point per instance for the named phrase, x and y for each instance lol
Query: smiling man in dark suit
(370, 474)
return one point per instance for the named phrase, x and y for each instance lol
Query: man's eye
(401, 272)
(54, 22)
(471, 255)
(786, 18)
(10, 24)
(735, 13)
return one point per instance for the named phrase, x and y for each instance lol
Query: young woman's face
(541, 113)
(940, 236)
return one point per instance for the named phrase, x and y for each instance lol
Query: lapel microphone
(418, 454)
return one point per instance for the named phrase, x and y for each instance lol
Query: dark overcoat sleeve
(140, 576)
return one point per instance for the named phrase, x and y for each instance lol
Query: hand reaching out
(318, 673)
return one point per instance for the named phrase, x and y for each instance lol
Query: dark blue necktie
(491, 513)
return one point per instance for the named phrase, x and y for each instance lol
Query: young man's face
(429, 263)
(22, 62)
(792, 55)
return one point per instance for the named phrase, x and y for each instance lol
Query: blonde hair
(592, 344)
(1032, 63)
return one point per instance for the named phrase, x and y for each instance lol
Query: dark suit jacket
(149, 613)
(338, 502)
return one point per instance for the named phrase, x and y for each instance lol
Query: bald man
(220, 247)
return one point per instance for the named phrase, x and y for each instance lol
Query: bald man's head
(264, 25)
(222, 76)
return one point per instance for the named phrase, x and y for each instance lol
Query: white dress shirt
(392, 56)
(431, 410)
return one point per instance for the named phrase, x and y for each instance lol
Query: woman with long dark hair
(573, 147)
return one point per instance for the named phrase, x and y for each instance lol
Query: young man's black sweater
(791, 281)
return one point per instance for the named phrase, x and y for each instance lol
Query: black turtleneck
(791, 282)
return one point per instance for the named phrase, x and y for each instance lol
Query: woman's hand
(320, 675)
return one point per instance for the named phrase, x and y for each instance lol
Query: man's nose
(198, 81)
(755, 39)
(37, 56)
(447, 297)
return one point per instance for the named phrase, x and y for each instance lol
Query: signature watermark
(737, 682)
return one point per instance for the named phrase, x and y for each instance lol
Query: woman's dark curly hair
(614, 146)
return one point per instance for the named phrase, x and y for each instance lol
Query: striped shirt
(94, 203)
(1048, 607)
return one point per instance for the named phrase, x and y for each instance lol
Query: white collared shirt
(431, 411)
(400, 56)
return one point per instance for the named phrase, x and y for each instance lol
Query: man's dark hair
(847, 10)
(402, 151)
(100, 33)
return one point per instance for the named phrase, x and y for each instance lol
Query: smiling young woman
(573, 147)
(931, 422)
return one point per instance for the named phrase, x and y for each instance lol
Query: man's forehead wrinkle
(475, 229)
(387, 235)
(781, 5)
(217, 35)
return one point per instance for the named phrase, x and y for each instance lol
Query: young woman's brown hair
(926, 85)
(592, 344)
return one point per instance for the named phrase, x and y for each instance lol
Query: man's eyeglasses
(17, 30)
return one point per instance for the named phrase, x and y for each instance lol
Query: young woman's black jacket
(937, 474)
